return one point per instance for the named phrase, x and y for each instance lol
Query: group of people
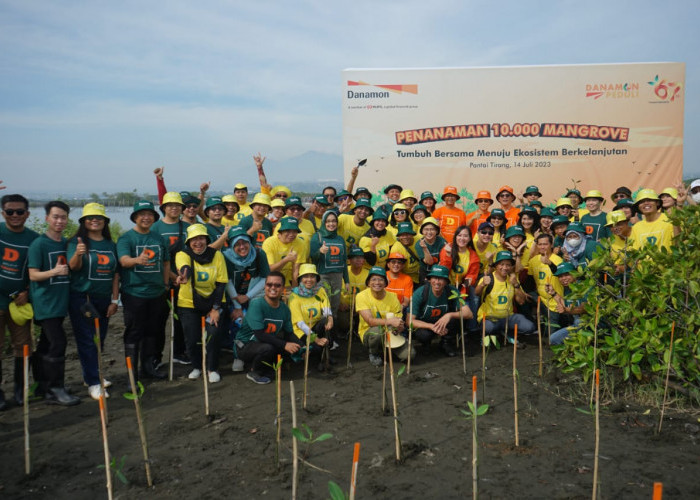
(269, 275)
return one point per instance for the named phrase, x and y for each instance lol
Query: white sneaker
(95, 391)
(214, 377)
(194, 374)
(238, 365)
(107, 383)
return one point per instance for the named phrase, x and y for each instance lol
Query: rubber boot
(19, 381)
(3, 403)
(37, 366)
(131, 351)
(56, 394)
(148, 360)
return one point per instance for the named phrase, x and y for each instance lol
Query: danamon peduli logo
(665, 91)
(383, 92)
(612, 90)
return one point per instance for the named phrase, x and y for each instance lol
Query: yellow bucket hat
(92, 209)
(21, 314)
(197, 230)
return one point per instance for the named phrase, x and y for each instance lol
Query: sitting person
(435, 313)
(357, 275)
(310, 308)
(400, 283)
(569, 310)
(379, 310)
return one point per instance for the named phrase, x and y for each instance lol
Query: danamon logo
(384, 93)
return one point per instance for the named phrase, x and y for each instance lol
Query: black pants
(50, 354)
(192, 326)
(425, 336)
(142, 318)
(257, 354)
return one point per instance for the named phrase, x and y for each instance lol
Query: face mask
(574, 242)
(695, 197)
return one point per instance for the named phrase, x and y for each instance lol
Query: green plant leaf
(323, 437)
(401, 370)
(299, 435)
(336, 492)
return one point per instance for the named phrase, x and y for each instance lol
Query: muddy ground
(232, 453)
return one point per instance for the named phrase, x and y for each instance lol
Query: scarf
(236, 259)
(325, 233)
(304, 292)
(576, 253)
(203, 258)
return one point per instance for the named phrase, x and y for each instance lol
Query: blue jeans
(84, 331)
(559, 336)
(525, 326)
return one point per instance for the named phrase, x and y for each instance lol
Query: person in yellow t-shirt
(498, 291)
(542, 267)
(352, 227)
(376, 244)
(310, 308)
(380, 310)
(654, 229)
(201, 270)
(286, 252)
(484, 246)
(357, 276)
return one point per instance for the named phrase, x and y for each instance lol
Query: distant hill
(307, 172)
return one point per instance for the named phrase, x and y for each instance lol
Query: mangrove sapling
(460, 303)
(205, 375)
(668, 371)
(307, 355)
(515, 383)
(471, 414)
(595, 347)
(135, 396)
(336, 492)
(352, 318)
(295, 450)
(597, 434)
(105, 445)
(117, 468)
(539, 333)
(307, 436)
(278, 417)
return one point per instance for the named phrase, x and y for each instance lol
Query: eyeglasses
(94, 217)
(483, 201)
(619, 196)
(400, 212)
(281, 195)
(192, 205)
(273, 285)
(18, 211)
(489, 233)
(507, 195)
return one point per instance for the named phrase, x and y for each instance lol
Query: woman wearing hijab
(328, 252)
(376, 243)
(310, 307)
(577, 249)
(92, 258)
(202, 278)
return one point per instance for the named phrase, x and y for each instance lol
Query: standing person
(618, 243)
(546, 219)
(629, 209)
(92, 258)
(449, 216)
(49, 290)
(498, 220)
(191, 208)
(577, 211)
(214, 210)
(240, 191)
(654, 229)
(15, 240)
(202, 277)
(435, 314)
(232, 208)
(286, 252)
(484, 246)
(352, 227)
(392, 192)
(499, 291)
(357, 275)
(428, 247)
(277, 209)
(541, 267)
(532, 193)
(529, 221)
(408, 199)
(145, 277)
(506, 198)
(461, 260)
(399, 213)
(329, 255)
(376, 243)
(594, 221)
(173, 230)
(318, 207)
(419, 214)
(399, 282)
(257, 224)
(427, 199)
(577, 249)
(481, 214)
(267, 331)
(379, 310)
(559, 225)
(565, 208)
(294, 208)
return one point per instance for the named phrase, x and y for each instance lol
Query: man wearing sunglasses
(14, 282)
(266, 331)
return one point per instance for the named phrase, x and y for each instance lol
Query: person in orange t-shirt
(506, 198)
(483, 202)
(449, 216)
(400, 283)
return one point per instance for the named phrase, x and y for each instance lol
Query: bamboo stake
(172, 334)
(25, 404)
(393, 398)
(278, 380)
(475, 472)
(410, 335)
(295, 450)
(549, 316)
(353, 475)
(306, 367)
(595, 351)
(539, 332)
(668, 371)
(352, 318)
(384, 378)
(139, 418)
(461, 332)
(658, 491)
(105, 445)
(597, 435)
(515, 383)
(483, 357)
(205, 374)
(98, 344)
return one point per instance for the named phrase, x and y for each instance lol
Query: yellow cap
(93, 209)
(307, 269)
(172, 197)
(645, 194)
(22, 314)
(229, 198)
(429, 220)
(240, 186)
(398, 206)
(197, 230)
(277, 189)
(407, 193)
(563, 202)
(594, 193)
(261, 199)
(614, 217)
(672, 192)
(277, 202)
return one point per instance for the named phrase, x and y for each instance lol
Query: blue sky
(94, 95)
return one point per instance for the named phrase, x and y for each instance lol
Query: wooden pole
(353, 475)
(139, 418)
(597, 435)
(205, 375)
(306, 367)
(98, 344)
(352, 318)
(172, 334)
(595, 351)
(105, 445)
(483, 358)
(25, 405)
(410, 335)
(278, 419)
(668, 371)
(515, 383)
(539, 332)
(461, 332)
(393, 398)
(295, 450)
(475, 462)
(384, 375)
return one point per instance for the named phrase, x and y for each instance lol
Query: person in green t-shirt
(267, 331)
(435, 313)
(49, 289)
(145, 276)
(15, 239)
(94, 287)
